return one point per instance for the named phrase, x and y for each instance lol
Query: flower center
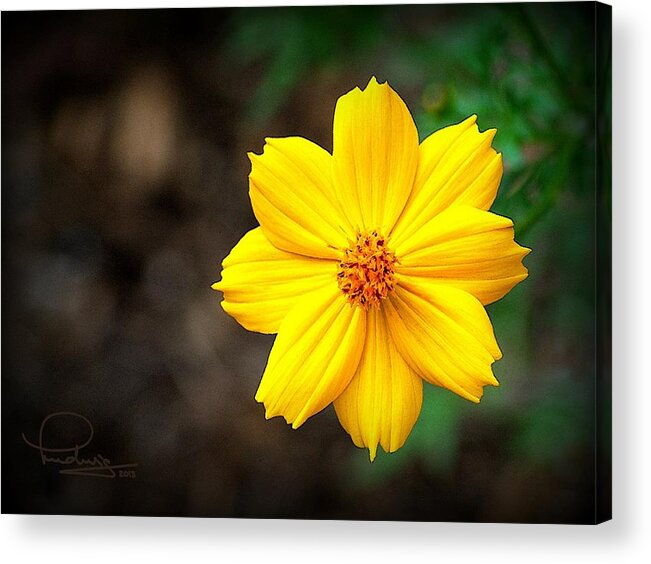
(366, 270)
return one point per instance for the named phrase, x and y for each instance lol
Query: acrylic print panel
(403, 212)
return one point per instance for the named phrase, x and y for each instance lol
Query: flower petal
(456, 165)
(384, 398)
(315, 356)
(467, 248)
(292, 198)
(375, 155)
(445, 336)
(262, 283)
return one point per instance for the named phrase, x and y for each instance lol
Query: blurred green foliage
(528, 70)
(293, 41)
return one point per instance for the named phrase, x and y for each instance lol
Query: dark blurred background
(124, 185)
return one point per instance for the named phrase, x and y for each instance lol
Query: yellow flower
(373, 265)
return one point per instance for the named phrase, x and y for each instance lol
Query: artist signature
(69, 457)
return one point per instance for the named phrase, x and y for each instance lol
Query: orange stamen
(366, 271)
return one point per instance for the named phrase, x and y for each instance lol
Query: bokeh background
(124, 185)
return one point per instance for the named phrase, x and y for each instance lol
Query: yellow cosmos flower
(373, 265)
